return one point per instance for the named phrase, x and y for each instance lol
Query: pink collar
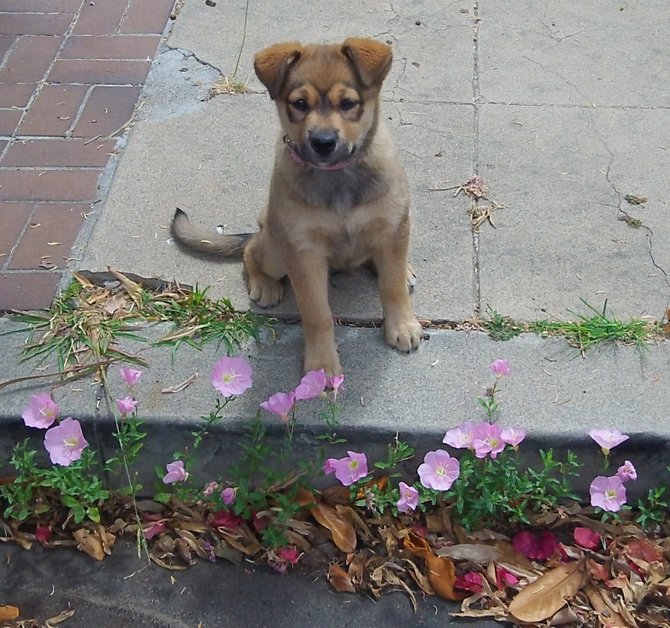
(301, 162)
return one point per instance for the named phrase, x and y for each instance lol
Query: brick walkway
(71, 72)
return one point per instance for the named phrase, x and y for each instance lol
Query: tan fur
(339, 206)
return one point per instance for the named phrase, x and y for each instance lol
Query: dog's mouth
(321, 153)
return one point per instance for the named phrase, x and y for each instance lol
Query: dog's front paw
(405, 334)
(329, 361)
(265, 290)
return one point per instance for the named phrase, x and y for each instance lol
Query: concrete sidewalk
(557, 106)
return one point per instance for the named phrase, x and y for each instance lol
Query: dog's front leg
(402, 329)
(308, 274)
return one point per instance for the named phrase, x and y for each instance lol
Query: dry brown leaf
(340, 526)
(549, 593)
(304, 497)
(565, 616)
(96, 544)
(340, 580)
(59, 619)
(475, 552)
(133, 289)
(418, 577)
(441, 571)
(115, 304)
(595, 596)
(7, 612)
(641, 548)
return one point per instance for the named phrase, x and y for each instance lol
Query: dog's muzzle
(323, 144)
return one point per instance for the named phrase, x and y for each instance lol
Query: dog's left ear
(371, 59)
(271, 65)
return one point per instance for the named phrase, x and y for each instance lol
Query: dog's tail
(192, 237)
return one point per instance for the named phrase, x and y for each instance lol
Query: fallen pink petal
(587, 538)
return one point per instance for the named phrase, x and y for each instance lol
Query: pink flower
(513, 436)
(280, 404)
(311, 385)
(439, 470)
(335, 383)
(608, 439)
(627, 471)
(470, 581)
(585, 537)
(65, 442)
(500, 367)
(231, 376)
(228, 495)
(126, 405)
(461, 437)
(608, 493)
(209, 489)
(347, 470)
(130, 376)
(175, 472)
(409, 498)
(488, 440)
(537, 546)
(41, 411)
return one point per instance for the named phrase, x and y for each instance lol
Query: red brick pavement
(71, 72)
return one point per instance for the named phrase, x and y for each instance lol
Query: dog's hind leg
(265, 270)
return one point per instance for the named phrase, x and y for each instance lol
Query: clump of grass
(588, 331)
(501, 327)
(83, 327)
(227, 85)
(583, 333)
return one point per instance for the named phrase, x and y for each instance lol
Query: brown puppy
(338, 197)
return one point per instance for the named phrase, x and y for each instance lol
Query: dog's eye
(347, 104)
(300, 104)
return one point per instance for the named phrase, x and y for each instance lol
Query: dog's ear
(371, 59)
(272, 63)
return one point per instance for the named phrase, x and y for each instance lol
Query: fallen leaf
(60, 618)
(7, 613)
(441, 571)
(475, 552)
(340, 579)
(549, 593)
(96, 544)
(641, 548)
(340, 526)
(133, 289)
(614, 620)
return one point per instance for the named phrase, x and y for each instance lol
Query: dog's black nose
(323, 142)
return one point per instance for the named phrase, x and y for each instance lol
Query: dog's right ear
(272, 63)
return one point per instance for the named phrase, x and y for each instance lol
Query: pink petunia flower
(228, 495)
(409, 498)
(513, 436)
(209, 489)
(461, 437)
(439, 470)
(40, 412)
(500, 367)
(311, 385)
(65, 442)
(608, 439)
(231, 376)
(280, 404)
(126, 405)
(175, 472)
(488, 440)
(627, 471)
(347, 470)
(130, 376)
(608, 493)
(335, 384)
